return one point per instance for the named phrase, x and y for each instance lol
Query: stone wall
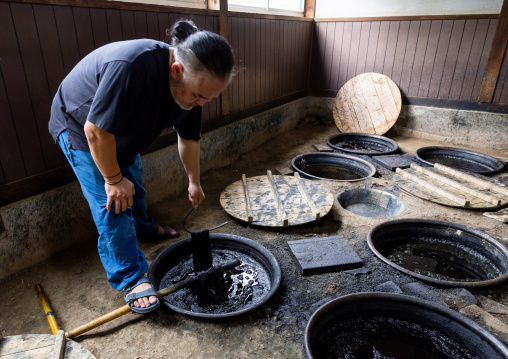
(41, 226)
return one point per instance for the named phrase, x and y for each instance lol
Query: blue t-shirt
(123, 88)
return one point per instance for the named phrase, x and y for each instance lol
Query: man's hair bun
(180, 30)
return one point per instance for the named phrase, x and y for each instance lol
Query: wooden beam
(108, 4)
(254, 15)
(496, 55)
(310, 8)
(409, 18)
(223, 31)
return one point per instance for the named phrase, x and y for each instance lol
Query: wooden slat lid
(368, 103)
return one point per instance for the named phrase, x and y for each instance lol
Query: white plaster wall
(373, 8)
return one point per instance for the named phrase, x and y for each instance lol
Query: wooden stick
(451, 196)
(305, 194)
(250, 217)
(280, 208)
(59, 349)
(486, 197)
(465, 176)
(161, 293)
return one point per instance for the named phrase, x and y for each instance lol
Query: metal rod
(211, 229)
(161, 293)
(47, 309)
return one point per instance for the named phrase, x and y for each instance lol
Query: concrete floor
(75, 283)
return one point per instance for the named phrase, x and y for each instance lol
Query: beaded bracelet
(113, 176)
(112, 184)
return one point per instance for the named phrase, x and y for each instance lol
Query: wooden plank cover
(478, 191)
(39, 346)
(263, 205)
(368, 103)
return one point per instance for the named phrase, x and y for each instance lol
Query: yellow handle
(47, 309)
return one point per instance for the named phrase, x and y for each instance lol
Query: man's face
(190, 91)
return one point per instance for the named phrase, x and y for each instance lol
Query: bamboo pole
(47, 309)
(160, 294)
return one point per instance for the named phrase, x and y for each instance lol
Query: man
(108, 110)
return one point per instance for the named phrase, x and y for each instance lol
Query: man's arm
(103, 149)
(189, 154)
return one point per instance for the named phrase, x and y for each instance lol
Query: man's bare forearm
(103, 149)
(119, 190)
(189, 154)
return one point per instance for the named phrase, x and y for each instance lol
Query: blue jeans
(118, 246)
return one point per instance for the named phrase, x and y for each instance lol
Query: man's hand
(196, 195)
(120, 194)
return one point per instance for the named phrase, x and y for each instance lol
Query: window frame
(267, 10)
(190, 4)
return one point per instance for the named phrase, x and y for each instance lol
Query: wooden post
(223, 31)
(496, 55)
(310, 8)
(213, 5)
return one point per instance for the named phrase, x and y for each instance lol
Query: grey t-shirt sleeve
(120, 84)
(190, 127)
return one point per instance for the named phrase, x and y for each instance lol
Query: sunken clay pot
(362, 168)
(460, 235)
(173, 254)
(378, 145)
(456, 328)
